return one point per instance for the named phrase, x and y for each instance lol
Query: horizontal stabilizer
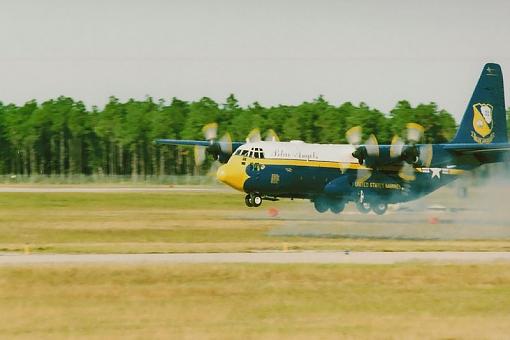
(471, 148)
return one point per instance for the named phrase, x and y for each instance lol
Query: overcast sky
(274, 52)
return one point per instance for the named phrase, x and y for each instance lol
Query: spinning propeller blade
(254, 136)
(226, 143)
(199, 154)
(407, 172)
(426, 155)
(397, 145)
(411, 154)
(363, 174)
(353, 135)
(271, 136)
(372, 146)
(210, 131)
(414, 132)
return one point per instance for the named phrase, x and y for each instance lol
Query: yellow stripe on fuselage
(314, 163)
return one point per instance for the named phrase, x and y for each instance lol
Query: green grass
(133, 222)
(408, 301)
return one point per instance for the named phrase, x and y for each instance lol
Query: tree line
(63, 137)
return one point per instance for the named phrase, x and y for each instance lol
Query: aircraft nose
(232, 175)
(222, 173)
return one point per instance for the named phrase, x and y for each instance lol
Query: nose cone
(222, 174)
(232, 175)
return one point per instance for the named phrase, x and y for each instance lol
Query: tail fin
(484, 121)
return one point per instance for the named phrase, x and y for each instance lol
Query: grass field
(411, 301)
(212, 222)
(227, 301)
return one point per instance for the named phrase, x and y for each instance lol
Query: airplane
(365, 173)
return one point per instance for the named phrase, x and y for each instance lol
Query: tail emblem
(482, 123)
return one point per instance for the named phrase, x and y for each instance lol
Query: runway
(260, 257)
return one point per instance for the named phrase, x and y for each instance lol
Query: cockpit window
(260, 153)
(252, 153)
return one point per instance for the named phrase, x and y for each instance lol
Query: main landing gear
(323, 204)
(364, 205)
(378, 207)
(253, 200)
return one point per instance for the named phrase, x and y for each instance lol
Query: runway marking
(261, 257)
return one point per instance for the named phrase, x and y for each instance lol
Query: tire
(255, 200)
(321, 205)
(247, 201)
(380, 208)
(363, 208)
(337, 207)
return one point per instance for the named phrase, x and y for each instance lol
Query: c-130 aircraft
(370, 175)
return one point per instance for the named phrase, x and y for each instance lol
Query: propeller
(271, 136)
(254, 136)
(363, 153)
(353, 135)
(199, 154)
(222, 148)
(210, 131)
(410, 153)
(216, 147)
(226, 143)
(366, 154)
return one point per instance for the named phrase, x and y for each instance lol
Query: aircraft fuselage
(329, 171)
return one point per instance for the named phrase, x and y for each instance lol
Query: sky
(274, 52)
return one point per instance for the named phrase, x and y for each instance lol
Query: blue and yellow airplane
(370, 175)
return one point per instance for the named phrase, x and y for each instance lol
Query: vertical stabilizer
(484, 121)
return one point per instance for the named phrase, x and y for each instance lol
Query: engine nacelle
(217, 154)
(410, 154)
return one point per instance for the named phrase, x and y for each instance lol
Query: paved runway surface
(277, 257)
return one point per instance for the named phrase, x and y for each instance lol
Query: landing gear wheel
(247, 201)
(337, 207)
(255, 200)
(320, 205)
(380, 208)
(363, 207)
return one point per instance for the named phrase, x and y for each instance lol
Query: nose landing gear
(253, 200)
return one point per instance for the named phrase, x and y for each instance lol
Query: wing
(235, 145)
(183, 142)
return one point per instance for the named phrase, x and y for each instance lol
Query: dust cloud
(443, 215)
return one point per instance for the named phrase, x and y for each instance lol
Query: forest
(63, 136)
